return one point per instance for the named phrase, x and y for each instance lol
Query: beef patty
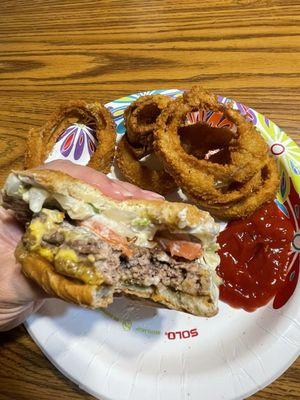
(94, 261)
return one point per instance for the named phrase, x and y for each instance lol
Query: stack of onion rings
(40, 141)
(228, 190)
(140, 120)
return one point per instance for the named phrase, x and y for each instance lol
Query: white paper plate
(134, 352)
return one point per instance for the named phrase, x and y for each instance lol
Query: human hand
(19, 297)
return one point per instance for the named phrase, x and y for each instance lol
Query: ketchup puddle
(255, 255)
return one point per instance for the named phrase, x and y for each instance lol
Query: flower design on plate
(284, 185)
(210, 118)
(246, 111)
(77, 143)
(277, 149)
(282, 147)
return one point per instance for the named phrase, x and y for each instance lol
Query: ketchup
(254, 258)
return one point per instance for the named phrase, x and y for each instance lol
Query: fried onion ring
(263, 193)
(141, 175)
(40, 141)
(140, 120)
(206, 180)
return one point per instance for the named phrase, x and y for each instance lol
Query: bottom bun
(43, 273)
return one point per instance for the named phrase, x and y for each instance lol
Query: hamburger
(86, 248)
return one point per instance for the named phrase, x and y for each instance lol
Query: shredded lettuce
(140, 222)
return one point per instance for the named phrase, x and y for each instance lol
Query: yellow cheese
(46, 253)
(37, 228)
(64, 259)
(66, 253)
(67, 262)
(35, 231)
(54, 215)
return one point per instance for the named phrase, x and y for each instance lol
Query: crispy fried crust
(248, 150)
(263, 193)
(139, 174)
(40, 141)
(140, 120)
(34, 151)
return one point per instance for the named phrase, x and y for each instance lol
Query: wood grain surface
(52, 51)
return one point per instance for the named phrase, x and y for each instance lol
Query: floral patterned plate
(129, 351)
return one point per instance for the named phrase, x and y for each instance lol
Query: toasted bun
(158, 211)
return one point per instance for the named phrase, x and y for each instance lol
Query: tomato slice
(181, 248)
(108, 235)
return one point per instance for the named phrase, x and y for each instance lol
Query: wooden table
(53, 51)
